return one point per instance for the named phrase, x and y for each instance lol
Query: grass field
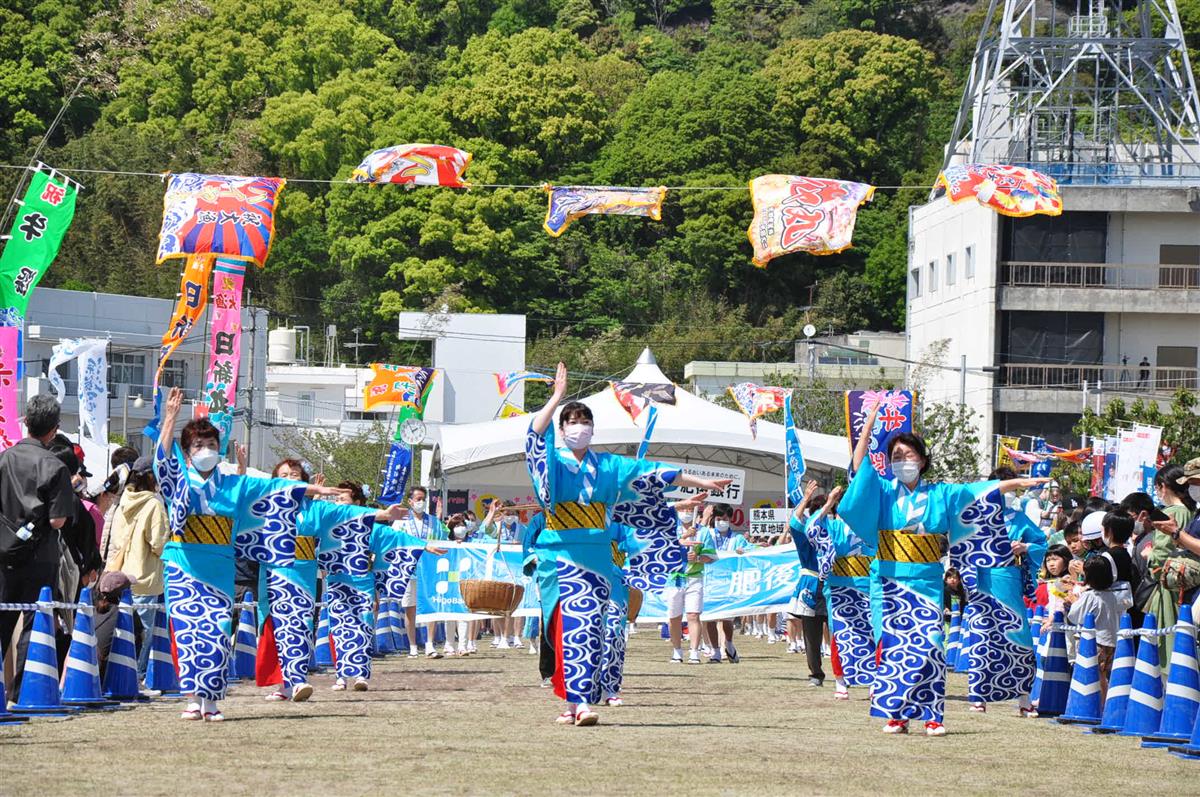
(483, 725)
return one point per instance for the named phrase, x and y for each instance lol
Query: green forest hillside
(627, 92)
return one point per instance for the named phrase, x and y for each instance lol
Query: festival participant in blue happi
(365, 545)
(910, 521)
(575, 570)
(998, 574)
(844, 563)
(205, 504)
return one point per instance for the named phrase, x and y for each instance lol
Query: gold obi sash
(306, 549)
(852, 566)
(571, 515)
(901, 546)
(206, 530)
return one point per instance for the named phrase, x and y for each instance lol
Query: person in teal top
(578, 488)
(908, 520)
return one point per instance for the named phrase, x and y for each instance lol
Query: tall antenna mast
(1101, 94)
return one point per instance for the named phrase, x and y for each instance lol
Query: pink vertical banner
(10, 421)
(225, 347)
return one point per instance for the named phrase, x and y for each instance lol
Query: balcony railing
(1127, 378)
(1128, 276)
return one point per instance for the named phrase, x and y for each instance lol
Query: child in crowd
(1118, 529)
(1105, 605)
(1054, 582)
(953, 590)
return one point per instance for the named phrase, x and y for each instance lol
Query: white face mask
(907, 472)
(1139, 528)
(205, 460)
(472, 525)
(577, 436)
(686, 517)
(417, 506)
(459, 532)
(1194, 491)
(722, 526)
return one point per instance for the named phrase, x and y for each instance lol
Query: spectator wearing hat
(35, 502)
(107, 600)
(139, 534)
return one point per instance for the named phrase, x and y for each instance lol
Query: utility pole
(1083, 435)
(250, 403)
(962, 381)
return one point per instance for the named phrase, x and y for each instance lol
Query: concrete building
(841, 362)
(134, 326)
(1041, 309)
(468, 350)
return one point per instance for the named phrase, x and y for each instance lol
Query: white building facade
(134, 326)
(1049, 312)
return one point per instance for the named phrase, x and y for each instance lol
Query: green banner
(37, 232)
(409, 412)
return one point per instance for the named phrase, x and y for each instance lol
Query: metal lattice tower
(1102, 95)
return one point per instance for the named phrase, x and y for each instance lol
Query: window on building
(914, 283)
(1180, 266)
(933, 277)
(126, 368)
(174, 374)
(1176, 367)
(306, 408)
(969, 262)
(1075, 237)
(950, 275)
(366, 415)
(1053, 338)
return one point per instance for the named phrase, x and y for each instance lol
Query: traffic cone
(1083, 703)
(39, 684)
(1056, 672)
(245, 641)
(399, 638)
(81, 682)
(120, 672)
(1183, 687)
(954, 640)
(1144, 714)
(161, 675)
(381, 640)
(1035, 627)
(402, 645)
(323, 649)
(1117, 700)
(6, 716)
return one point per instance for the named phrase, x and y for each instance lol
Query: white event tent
(489, 457)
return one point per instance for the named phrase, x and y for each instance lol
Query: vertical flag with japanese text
(225, 347)
(10, 423)
(92, 357)
(793, 457)
(42, 219)
(193, 298)
(895, 416)
(395, 474)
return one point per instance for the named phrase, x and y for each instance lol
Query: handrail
(1129, 276)
(1132, 377)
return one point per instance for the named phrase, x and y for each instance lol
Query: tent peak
(647, 357)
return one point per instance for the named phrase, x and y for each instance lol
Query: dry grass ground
(482, 725)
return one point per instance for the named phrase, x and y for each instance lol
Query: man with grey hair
(35, 500)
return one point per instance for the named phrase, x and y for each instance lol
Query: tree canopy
(625, 92)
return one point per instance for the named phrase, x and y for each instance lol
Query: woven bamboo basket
(484, 596)
(635, 604)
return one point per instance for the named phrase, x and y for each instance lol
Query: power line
(467, 187)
